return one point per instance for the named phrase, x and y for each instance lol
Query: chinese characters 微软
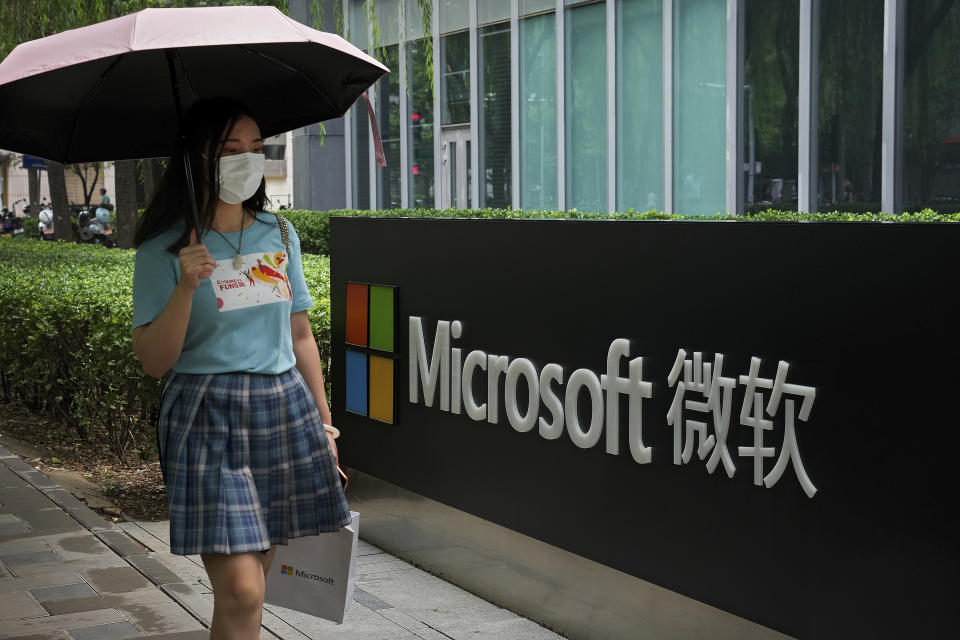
(705, 391)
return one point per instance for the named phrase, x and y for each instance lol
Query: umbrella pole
(175, 83)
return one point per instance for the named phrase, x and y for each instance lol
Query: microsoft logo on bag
(290, 571)
(371, 356)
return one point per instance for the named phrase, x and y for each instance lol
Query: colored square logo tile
(357, 313)
(371, 351)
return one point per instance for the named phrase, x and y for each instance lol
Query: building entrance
(455, 171)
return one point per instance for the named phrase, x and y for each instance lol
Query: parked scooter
(45, 227)
(10, 224)
(95, 228)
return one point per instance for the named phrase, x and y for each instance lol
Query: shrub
(313, 227)
(67, 346)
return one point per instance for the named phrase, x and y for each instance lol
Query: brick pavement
(66, 573)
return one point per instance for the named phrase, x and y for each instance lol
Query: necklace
(238, 260)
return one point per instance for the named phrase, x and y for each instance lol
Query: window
(493, 11)
(640, 105)
(495, 160)
(585, 88)
(455, 78)
(770, 107)
(851, 104)
(931, 78)
(699, 103)
(420, 108)
(454, 15)
(538, 113)
(388, 117)
(528, 7)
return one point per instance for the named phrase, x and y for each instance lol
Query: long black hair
(204, 125)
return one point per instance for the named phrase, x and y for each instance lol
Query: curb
(144, 561)
(80, 512)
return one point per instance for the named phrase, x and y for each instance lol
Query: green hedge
(66, 348)
(66, 345)
(313, 227)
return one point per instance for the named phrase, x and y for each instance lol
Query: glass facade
(585, 99)
(700, 106)
(538, 113)
(851, 104)
(356, 26)
(454, 15)
(528, 7)
(931, 168)
(493, 11)
(496, 164)
(847, 131)
(640, 105)
(455, 78)
(360, 151)
(770, 106)
(413, 20)
(388, 21)
(420, 132)
(388, 117)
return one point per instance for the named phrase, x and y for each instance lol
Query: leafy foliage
(313, 227)
(67, 347)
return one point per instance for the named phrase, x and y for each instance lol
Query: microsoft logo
(286, 570)
(371, 356)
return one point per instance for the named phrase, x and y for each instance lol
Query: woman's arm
(159, 343)
(308, 363)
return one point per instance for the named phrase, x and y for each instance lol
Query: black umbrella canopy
(122, 105)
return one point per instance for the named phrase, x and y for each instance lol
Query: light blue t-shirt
(240, 319)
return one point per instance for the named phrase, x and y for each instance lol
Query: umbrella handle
(377, 143)
(191, 190)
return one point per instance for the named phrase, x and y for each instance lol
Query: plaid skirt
(246, 463)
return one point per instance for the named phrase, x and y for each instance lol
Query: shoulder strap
(284, 232)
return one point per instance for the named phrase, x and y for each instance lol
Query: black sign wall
(848, 333)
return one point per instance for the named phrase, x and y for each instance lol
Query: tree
(62, 226)
(126, 192)
(33, 190)
(82, 171)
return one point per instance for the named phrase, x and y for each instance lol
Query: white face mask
(240, 176)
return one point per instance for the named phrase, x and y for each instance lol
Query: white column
(561, 112)
(474, 111)
(892, 141)
(347, 129)
(404, 110)
(809, 91)
(668, 106)
(515, 103)
(734, 144)
(611, 106)
(373, 93)
(437, 114)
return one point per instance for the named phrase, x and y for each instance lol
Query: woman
(246, 456)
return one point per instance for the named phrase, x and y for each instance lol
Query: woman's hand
(196, 263)
(333, 447)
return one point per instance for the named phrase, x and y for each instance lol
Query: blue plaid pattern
(246, 463)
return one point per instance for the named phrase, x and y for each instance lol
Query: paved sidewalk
(65, 572)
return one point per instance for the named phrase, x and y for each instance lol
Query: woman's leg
(238, 586)
(266, 559)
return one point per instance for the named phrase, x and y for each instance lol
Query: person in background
(104, 198)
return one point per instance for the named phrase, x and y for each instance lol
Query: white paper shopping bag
(315, 574)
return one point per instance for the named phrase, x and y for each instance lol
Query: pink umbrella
(107, 91)
(117, 89)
